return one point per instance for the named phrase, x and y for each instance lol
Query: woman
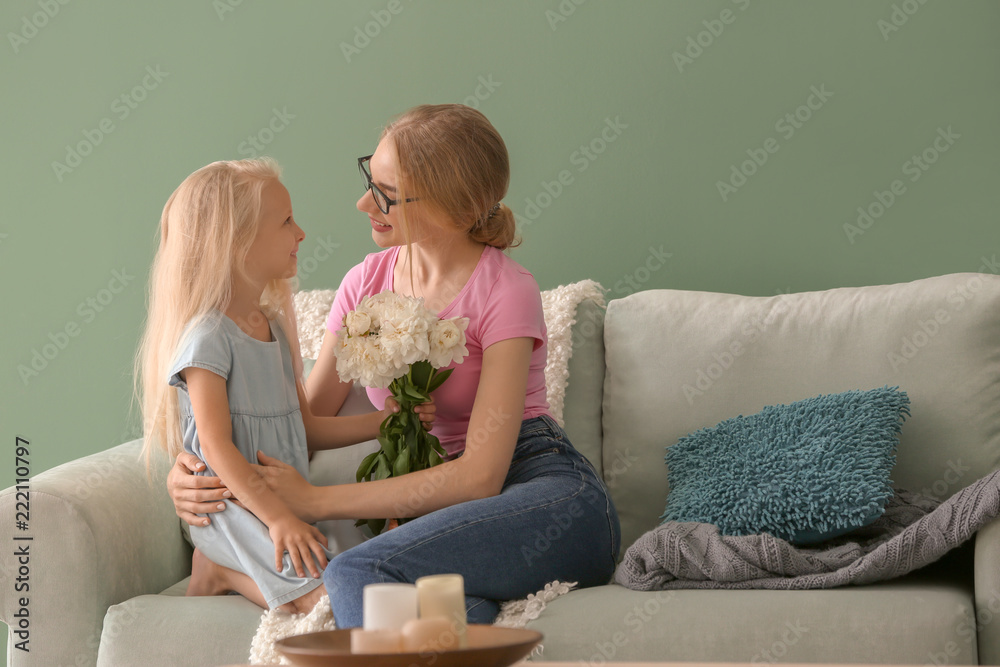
(514, 506)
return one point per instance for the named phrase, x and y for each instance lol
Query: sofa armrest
(102, 532)
(987, 582)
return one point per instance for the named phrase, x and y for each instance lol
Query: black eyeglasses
(381, 199)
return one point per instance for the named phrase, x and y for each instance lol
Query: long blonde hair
(453, 159)
(207, 227)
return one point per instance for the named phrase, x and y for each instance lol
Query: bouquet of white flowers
(393, 341)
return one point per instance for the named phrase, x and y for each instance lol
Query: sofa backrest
(678, 361)
(585, 387)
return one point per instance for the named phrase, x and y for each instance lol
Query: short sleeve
(347, 298)
(513, 310)
(203, 345)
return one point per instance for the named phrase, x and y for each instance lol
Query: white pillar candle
(376, 641)
(429, 635)
(444, 595)
(388, 606)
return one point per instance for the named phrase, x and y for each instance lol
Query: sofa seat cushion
(171, 629)
(913, 620)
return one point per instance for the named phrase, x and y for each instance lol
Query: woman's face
(387, 228)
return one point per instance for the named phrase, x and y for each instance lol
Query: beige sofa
(109, 559)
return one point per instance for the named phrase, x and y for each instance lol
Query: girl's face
(273, 254)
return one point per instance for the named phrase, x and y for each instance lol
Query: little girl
(221, 329)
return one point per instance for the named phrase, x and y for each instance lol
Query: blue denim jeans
(552, 520)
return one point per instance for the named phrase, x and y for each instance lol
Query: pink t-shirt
(501, 300)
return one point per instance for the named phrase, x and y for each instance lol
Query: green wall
(623, 120)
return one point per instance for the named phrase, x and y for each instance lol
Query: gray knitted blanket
(914, 531)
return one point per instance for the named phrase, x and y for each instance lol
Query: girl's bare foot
(205, 577)
(305, 604)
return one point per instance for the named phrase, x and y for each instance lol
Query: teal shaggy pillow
(804, 472)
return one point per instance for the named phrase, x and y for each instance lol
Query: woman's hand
(302, 542)
(286, 482)
(427, 412)
(194, 494)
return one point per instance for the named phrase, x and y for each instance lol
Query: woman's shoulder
(501, 270)
(376, 264)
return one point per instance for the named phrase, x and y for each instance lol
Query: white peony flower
(388, 332)
(447, 342)
(357, 322)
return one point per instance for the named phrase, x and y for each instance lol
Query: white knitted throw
(276, 624)
(311, 310)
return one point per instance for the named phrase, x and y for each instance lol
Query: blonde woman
(221, 332)
(514, 506)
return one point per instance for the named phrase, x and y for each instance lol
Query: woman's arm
(210, 404)
(194, 494)
(480, 471)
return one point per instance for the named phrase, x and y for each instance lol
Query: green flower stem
(405, 445)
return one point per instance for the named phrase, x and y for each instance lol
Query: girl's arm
(323, 386)
(324, 398)
(478, 473)
(210, 404)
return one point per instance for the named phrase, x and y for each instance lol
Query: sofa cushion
(170, 629)
(805, 472)
(678, 361)
(915, 620)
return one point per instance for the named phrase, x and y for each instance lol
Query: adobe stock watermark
(482, 92)
(751, 331)
(121, 107)
(437, 477)
(562, 12)
(697, 44)
(255, 143)
(30, 25)
(322, 252)
(635, 620)
(969, 629)
(581, 158)
(363, 35)
(790, 636)
(223, 7)
(87, 310)
(915, 168)
(562, 520)
(634, 281)
(786, 126)
(899, 17)
(929, 326)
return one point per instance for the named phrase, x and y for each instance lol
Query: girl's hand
(288, 484)
(427, 412)
(195, 494)
(302, 542)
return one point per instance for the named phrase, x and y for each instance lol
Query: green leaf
(439, 378)
(383, 469)
(366, 466)
(388, 446)
(420, 373)
(402, 464)
(376, 525)
(414, 393)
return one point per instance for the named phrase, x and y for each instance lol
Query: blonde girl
(221, 376)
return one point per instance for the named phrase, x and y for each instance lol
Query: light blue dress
(266, 417)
